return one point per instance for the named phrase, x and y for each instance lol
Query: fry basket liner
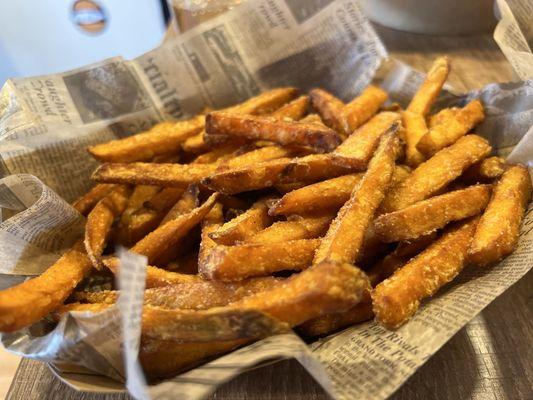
(47, 122)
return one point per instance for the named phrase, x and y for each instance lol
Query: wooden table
(490, 359)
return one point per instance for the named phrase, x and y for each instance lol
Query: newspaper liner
(514, 34)
(46, 123)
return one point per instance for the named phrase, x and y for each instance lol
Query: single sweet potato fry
(434, 213)
(170, 234)
(244, 225)
(330, 194)
(344, 239)
(319, 290)
(397, 298)
(362, 108)
(497, 232)
(164, 138)
(444, 135)
(234, 263)
(431, 176)
(284, 132)
(329, 108)
(284, 170)
(362, 143)
(26, 303)
(194, 295)
(176, 175)
(86, 202)
(296, 227)
(100, 220)
(428, 92)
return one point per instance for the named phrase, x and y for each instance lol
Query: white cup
(438, 17)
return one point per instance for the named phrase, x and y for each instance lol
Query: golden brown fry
(329, 107)
(396, 299)
(321, 289)
(284, 132)
(428, 92)
(333, 322)
(188, 201)
(414, 116)
(362, 108)
(294, 110)
(100, 221)
(497, 233)
(432, 175)
(414, 129)
(344, 239)
(429, 215)
(330, 194)
(234, 263)
(486, 170)
(444, 135)
(170, 234)
(284, 170)
(26, 303)
(86, 202)
(176, 175)
(194, 295)
(244, 225)
(443, 116)
(309, 227)
(362, 143)
(164, 138)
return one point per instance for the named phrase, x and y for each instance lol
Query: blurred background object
(49, 36)
(190, 13)
(436, 17)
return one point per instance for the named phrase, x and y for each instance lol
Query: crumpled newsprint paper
(47, 122)
(514, 34)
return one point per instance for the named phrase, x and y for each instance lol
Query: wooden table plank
(490, 358)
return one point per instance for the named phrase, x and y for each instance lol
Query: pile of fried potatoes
(285, 212)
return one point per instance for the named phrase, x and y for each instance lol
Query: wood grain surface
(489, 359)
